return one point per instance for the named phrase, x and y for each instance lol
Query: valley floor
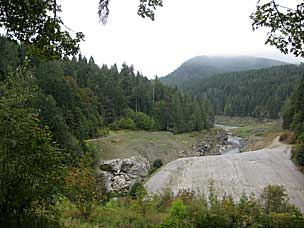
(151, 145)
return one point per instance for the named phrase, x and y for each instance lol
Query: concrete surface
(246, 172)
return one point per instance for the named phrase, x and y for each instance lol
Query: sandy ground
(234, 174)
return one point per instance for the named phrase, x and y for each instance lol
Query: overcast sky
(183, 29)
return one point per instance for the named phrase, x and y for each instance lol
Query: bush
(298, 154)
(288, 137)
(143, 121)
(157, 163)
(81, 189)
(274, 199)
(123, 123)
(135, 189)
(103, 132)
(126, 123)
(188, 210)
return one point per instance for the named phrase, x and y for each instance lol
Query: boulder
(222, 136)
(118, 175)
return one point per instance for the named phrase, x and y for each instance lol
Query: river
(234, 144)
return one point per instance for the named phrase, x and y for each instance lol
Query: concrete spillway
(234, 174)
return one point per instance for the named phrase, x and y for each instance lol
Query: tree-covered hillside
(203, 66)
(257, 93)
(293, 119)
(78, 99)
(49, 108)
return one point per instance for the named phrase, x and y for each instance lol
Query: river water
(234, 144)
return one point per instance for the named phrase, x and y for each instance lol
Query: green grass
(151, 145)
(258, 129)
(240, 121)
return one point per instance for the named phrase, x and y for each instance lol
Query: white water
(233, 141)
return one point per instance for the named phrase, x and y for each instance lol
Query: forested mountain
(77, 99)
(257, 93)
(203, 66)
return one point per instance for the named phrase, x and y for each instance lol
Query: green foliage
(255, 93)
(123, 123)
(177, 215)
(135, 189)
(8, 57)
(143, 121)
(249, 90)
(37, 25)
(293, 119)
(284, 24)
(274, 199)
(31, 165)
(103, 132)
(298, 154)
(157, 163)
(81, 189)
(187, 210)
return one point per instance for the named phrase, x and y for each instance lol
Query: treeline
(257, 93)
(79, 100)
(293, 119)
(49, 108)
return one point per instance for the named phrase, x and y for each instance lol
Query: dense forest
(238, 86)
(51, 103)
(293, 119)
(257, 93)
(78, 100)
(49, 108)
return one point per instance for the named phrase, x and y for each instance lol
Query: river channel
(234, 142)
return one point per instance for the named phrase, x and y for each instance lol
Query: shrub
(298, 154)
(123, 123)
(81, 189)
(129, 113)
(177, 215)
(143, 121)
(103, 132)
(274, 199)
(288, 137)
(157, 163)
(126, 123)
(135, 189)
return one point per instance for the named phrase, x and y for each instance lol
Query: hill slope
(203, 66)
(257, 93)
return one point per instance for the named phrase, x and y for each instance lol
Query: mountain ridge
(200, 67)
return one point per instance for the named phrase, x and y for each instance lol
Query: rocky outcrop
(118, 175)
(212, 144)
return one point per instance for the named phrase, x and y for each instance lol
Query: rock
(222, 136)
(115, 140)
(127, 165)
(105, 178)
(118, 175)
(112, 166)
(182, 154)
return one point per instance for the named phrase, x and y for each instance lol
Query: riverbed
(234, 142)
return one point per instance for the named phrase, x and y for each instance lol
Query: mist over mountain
(204, 66)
